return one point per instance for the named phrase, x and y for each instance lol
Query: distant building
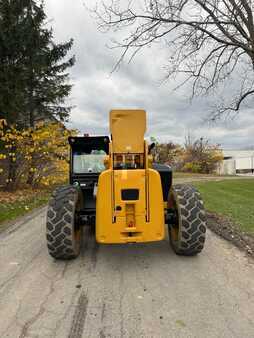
(237, 162)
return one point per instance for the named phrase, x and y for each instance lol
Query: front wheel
(187, 231)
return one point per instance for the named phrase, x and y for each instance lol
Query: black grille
(130, 194)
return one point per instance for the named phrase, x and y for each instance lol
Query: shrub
(200, 156)
(197, 156)
(192, 167)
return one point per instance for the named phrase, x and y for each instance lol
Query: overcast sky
(96, 91)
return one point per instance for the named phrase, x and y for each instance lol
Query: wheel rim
(77, 235)
(174, 233)
(174, 229)
(77, 228)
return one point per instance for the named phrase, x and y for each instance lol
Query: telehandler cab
(116, 187)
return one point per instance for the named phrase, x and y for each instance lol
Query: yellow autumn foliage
(38, 156)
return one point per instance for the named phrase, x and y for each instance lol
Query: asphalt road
(122, 291)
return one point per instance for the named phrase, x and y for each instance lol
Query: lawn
(233, 198)
(19, 203)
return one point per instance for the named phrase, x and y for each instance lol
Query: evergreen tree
(33, 68)
(11, 70)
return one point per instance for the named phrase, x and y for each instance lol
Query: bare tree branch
(211, 42)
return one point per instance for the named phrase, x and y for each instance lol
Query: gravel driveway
(122, 291)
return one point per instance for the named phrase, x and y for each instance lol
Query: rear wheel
(187, 233)
(63, 229)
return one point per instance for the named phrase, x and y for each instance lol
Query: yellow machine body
(128, 128)
(129, 204)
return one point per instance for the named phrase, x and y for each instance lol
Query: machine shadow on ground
(147, 254)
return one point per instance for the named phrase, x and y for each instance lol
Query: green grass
(11, 210)
(233, 198)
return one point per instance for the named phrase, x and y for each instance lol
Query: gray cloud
(137, 85)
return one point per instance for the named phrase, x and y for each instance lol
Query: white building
(237, 162)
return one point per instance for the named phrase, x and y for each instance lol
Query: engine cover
(129, 206)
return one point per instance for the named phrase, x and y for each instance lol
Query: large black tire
(63, 232)
(187, 234)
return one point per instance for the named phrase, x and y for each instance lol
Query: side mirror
(151, 147)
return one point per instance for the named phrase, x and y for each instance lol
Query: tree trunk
(30, 178)
(11, 184)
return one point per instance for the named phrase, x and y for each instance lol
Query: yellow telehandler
(116, 187)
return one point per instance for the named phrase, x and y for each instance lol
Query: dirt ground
(179, 178)
(230, 231)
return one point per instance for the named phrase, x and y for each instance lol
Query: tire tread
(192, 221)
(60, 224)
